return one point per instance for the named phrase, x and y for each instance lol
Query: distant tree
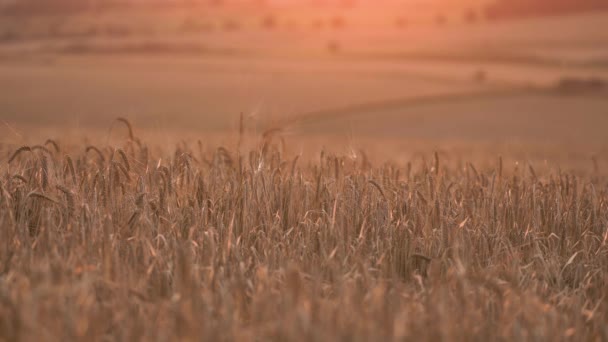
(44, 6)
(334, 46)
(440, 19)
(269, 22)
(401, 22)
(470, 16)
(518, 8)
(231, 25)
(338, 22)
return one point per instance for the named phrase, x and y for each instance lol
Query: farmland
(304, 177)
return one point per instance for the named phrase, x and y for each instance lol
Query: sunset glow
(303, 170)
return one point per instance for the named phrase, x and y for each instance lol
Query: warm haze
(303, 170)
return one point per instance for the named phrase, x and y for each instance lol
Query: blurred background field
(433, 70)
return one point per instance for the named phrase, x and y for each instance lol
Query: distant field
(477, 84)
(205, 81)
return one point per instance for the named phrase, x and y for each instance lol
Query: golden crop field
(303, 175)
(250, 243)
